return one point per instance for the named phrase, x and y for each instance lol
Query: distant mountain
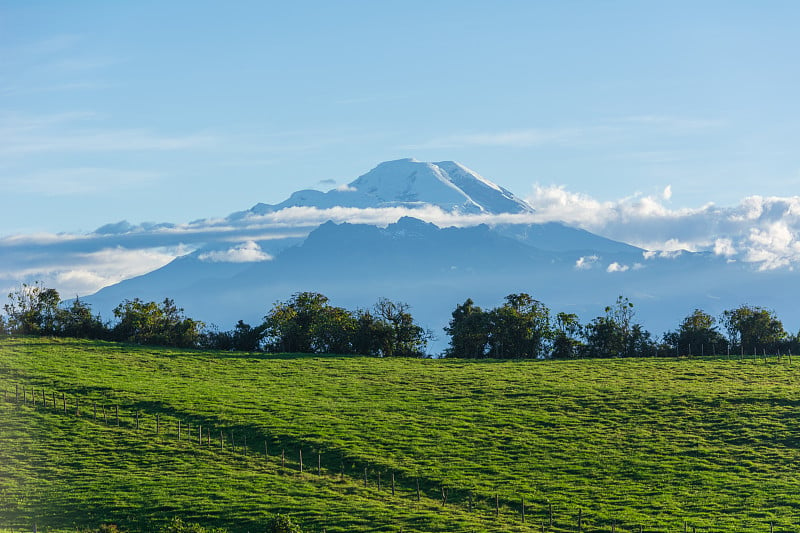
(410, 183)
(433, 269)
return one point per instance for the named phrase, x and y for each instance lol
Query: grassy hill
(629, 443)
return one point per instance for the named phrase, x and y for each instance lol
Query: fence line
(496, 505)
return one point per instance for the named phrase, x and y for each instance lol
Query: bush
(281, 523)
(179, 526)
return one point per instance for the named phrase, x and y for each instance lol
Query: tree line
(306, 323)
(521, 327)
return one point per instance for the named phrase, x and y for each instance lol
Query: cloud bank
(761, 231)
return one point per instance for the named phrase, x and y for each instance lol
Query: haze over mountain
(434, 267)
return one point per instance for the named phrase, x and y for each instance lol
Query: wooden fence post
(283, 457)
(496, 504)
(392, 483)
(418, 489)
(580, 520)
(301, 459)
(522, 506)
(200, 434)
(244, 444)
(319, 464)
(379, 480)
(116, 411)
(16, 393)
(365, 476)
(550, 513)
(221, 441)
(444, 495)
(137, 420)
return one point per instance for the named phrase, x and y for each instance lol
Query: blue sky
(153, 111)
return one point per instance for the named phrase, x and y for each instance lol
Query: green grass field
(626, 442)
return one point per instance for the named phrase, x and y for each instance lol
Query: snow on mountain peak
(411, 183)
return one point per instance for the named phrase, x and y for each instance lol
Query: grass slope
(651, 442)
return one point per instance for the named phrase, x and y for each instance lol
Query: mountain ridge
(410, 183)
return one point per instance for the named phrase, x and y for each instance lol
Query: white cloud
(724, 247)
(84, 273)
(247, 252)
(667, 194)
(763, 231)
(616, 267)
(586, 262)
(760, 230)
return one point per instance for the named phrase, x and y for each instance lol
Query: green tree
(334, 330)
(242, 338)
(565, 340)
(291, 326)
(162, 324)
(519, 328)
(32, 309)
(697, 334)
(468, 331)
(306, 323)
(616, 334)
(753, 328)
(400, 336)
(77, 321)
(370, 333)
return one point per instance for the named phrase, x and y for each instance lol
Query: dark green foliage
(399, 335)
(520, 328)
(177, 525)
(616, 335)
(37, 310)
(469, 331)
(565, 336)
(78, 321)
(697, 335)
(281, 523)
(243, 338)
(754, 328)
(32, 310)
(307, 323)
(162, 324)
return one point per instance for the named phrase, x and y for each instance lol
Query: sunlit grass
(652, 442)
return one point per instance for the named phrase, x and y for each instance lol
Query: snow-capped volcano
(410, 183)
